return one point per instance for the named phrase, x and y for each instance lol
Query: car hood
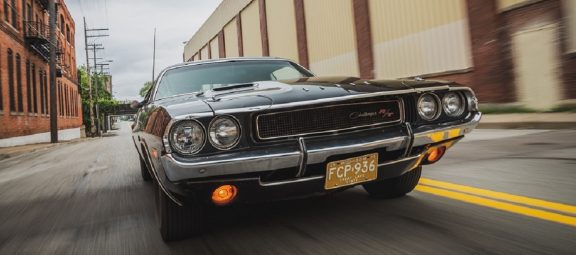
(263, 94)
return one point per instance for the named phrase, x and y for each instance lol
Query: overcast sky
(130, 43)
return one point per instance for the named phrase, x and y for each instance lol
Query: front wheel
(177, 222)
(395, 187)
(144, 170)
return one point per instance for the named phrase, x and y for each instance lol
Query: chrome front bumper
(310, 151)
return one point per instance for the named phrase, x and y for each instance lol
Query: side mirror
(135, 104)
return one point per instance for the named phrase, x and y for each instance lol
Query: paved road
(87, 198)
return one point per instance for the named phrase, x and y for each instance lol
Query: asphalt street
(496, 192)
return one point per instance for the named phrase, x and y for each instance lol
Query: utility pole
(53, 44)
(95, 127)
(94, 48)
(92, 127)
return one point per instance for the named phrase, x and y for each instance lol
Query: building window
(28, 12)
(28, 87)
(66, 105)
(74, 107)
(61, 99)
(34, 91)
(46, 93)
(62, 24)
(11, 84)
(67, 33)
(42, 92)
(6, 11)
(69, 101)
(14, 14)
(19, 83)
(1, 94)
(23, 6)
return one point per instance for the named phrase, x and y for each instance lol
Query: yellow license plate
(351, 171)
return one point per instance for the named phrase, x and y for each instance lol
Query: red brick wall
(27, 122)
(492, 78)
(570, 76)
(462, 78)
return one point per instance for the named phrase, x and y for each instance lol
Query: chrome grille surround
(267, 129)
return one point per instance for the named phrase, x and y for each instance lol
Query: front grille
(315, 120)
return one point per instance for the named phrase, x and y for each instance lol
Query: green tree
(144, 90)
(100, 95)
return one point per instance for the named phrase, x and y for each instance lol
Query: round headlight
(453, 104)
(187, 137)
(428, 107)
(224, 132)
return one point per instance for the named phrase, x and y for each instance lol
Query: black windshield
(202, 77)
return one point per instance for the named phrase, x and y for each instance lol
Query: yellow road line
(531, 212)
(501, 196)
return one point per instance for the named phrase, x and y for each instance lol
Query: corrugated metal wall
(231, 39)
(204, 53)
(331, 37)
(282, 29)
(251, 38)
(410, 37)
(507, 4)
(214, 48)
(225, 12)
(416, 37)
(570, 10)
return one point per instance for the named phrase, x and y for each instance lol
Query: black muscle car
(217, 132)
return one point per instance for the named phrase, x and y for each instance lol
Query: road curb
(527, 125)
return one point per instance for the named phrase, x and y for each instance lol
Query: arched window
(19, 83)
(11, 83)
(28, 87)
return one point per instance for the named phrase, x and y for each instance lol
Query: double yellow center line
(541, 209)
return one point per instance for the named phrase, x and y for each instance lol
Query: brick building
(24, 73)
(509, 51)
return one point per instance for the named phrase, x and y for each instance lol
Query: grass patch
(564, 108)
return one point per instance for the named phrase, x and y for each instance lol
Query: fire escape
(37, 36)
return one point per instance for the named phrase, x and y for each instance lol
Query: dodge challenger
(243, 130)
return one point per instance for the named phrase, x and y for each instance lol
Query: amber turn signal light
(224, 194)
(435, 154)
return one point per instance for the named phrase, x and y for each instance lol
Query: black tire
(177, 222)
(144, 171)
(395, 187)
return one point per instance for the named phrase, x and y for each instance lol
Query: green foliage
(144, 90)
(100, 96)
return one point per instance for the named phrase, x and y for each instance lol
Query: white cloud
(131, 24)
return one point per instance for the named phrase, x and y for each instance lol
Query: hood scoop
(229, 89)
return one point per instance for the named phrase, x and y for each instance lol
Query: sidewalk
(10, 152)
(529, 121)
